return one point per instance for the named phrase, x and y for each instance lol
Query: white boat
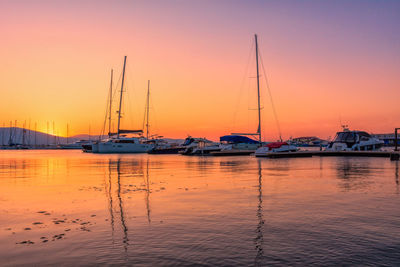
(354, 141)
(199, 146)
(120, 143)
(275, 147)
(76, 145)
(241, 141)
(238, 142)
(123, 145)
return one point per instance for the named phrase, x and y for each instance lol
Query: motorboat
(199, 146)
(238, 142)
(275, 147)
(76, 145)
(347, 140)
(163, 146)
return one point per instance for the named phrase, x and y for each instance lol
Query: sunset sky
(327, 62)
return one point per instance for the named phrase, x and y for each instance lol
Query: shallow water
(73, 208)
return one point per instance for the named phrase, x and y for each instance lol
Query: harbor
(199, 133)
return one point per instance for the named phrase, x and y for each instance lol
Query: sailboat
(243, 143)
(119, 142)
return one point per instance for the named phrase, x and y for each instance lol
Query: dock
(233, 152)
(393, 155)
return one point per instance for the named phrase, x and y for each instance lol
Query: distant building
(308, 141)
(387, 138)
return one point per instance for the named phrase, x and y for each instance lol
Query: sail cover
(237, 139)
(130, 131)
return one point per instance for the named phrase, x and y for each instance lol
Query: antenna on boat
(258, 92)
(109, 117)
(120, 98)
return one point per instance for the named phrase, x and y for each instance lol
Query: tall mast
(54, 133)
(120, 98)
(109, 111)
(67, 133)
(35, 134)
(258, 92)
(147, 109)
(47, 135)
(10, 139)
(23, 133)
(2, 134)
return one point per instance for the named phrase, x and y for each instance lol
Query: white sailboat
(120, 142)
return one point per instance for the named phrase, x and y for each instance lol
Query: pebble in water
(28, 242)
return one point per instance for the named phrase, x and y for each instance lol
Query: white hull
(95, 148)
(372, 145)
(111, 147)
(262, 151)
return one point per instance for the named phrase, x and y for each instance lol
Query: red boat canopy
(276, 144)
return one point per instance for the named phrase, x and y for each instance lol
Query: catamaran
(120, 142)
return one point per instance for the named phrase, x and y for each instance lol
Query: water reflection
(114, 167)
(110, 198)
(147, 197)
(353, 174)
(119, 169)
(174, 210)
(396, 175)
(259, 240)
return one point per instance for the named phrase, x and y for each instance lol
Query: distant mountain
(16, 135)
(21, 136)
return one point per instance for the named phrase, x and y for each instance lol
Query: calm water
(72, 208)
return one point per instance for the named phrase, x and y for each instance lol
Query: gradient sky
(327, 62)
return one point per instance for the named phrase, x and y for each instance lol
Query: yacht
(199, 146)
(275, 147)
(77, 145)
(348, 140)
(123, 144)
(119, 142)
(238, 142)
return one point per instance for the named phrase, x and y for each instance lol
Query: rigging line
(105, 118)
(249, 58)
(103, 129)
(130, 92)
(144, 116)
(271, 99)
(156, 129)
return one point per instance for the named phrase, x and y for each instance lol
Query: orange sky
(326, 62)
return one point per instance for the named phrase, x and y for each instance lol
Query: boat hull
(111, 147)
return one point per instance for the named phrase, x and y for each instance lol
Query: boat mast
(67, 134)
(147, 109)
(120, 98)
(35, 134)
(258, 92)
(109, 112)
